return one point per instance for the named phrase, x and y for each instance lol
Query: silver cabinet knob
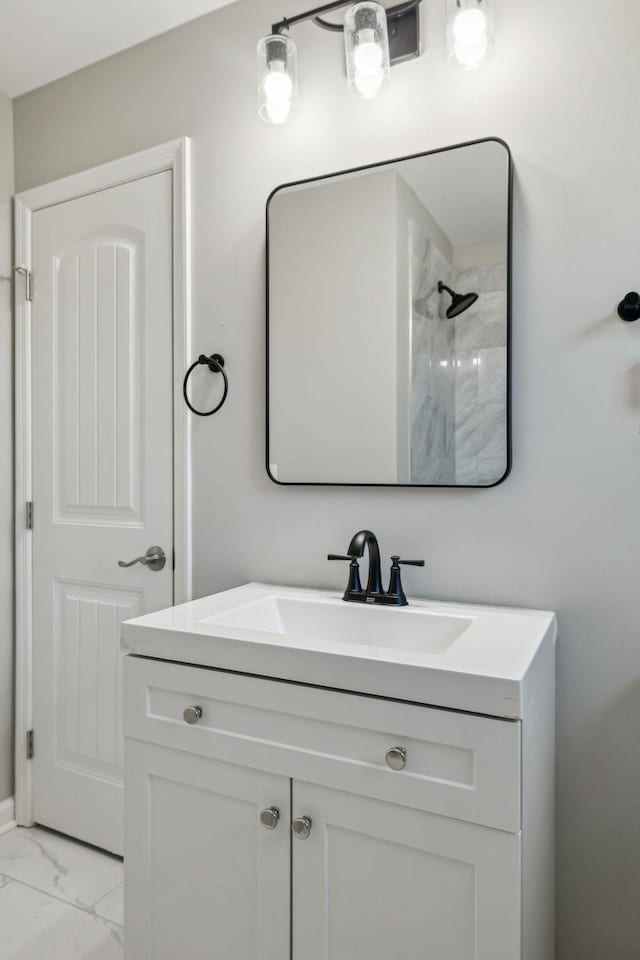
(155, 558)
(396, 758)
(301, 826)
(192, 714)
(269, 818)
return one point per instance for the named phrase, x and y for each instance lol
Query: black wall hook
(629, 308)
(216, 365)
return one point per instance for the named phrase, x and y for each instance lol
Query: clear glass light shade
(470, 32)
(366, 46)
(277, 78)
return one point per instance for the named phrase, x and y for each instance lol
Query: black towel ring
(216, 364)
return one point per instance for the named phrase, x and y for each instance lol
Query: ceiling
(42, 40)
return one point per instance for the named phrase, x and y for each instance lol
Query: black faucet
(395, 595)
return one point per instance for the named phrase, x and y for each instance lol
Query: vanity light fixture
(374, 37)
(459, 301)
(277, 78)
(470, 31)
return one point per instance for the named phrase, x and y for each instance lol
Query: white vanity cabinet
(294, 822)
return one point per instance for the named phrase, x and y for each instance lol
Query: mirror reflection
(388, 323)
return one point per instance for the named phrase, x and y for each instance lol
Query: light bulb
(277, 84)
(471, 54)
(471, 33)
(367, 58)
(368, 86)
(277, 112)
(368, 55)
(470, 26)
(278, 88)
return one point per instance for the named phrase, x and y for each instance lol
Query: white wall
(6, 461)
(563, 531)
(332, 332)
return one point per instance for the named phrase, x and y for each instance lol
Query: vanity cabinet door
(385, 882)
(205, 878)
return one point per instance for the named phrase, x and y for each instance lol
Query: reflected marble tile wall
(458, 371)
(432, 427)
(481, 377)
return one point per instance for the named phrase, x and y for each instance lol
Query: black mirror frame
(384, 163)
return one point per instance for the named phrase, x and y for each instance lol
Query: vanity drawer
(459, 765)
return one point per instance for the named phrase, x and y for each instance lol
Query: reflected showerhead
(459, 301)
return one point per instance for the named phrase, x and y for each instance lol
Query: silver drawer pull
(269, 818)
(396, 758)
(192, 714)
(301, 827)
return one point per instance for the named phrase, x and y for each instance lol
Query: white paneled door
(102, 483)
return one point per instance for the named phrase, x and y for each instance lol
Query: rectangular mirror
(388, 321)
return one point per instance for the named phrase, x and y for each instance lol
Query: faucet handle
(353, 586)
(395, 593)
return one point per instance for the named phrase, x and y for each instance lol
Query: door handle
(155, 558)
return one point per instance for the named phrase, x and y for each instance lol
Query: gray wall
(563, 531)
(6, 444)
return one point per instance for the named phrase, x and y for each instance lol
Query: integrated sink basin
(461, 656)
(330, 621)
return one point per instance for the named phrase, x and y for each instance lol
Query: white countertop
(481, 666)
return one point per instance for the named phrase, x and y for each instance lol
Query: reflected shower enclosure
(388, 322)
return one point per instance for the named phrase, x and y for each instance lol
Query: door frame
(173, 157)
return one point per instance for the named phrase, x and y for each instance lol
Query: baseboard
(7, 815)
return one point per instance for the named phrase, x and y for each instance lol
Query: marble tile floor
(59, 899)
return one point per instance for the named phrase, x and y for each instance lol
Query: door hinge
(28, 281)
(29, 515)
(29, 744)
